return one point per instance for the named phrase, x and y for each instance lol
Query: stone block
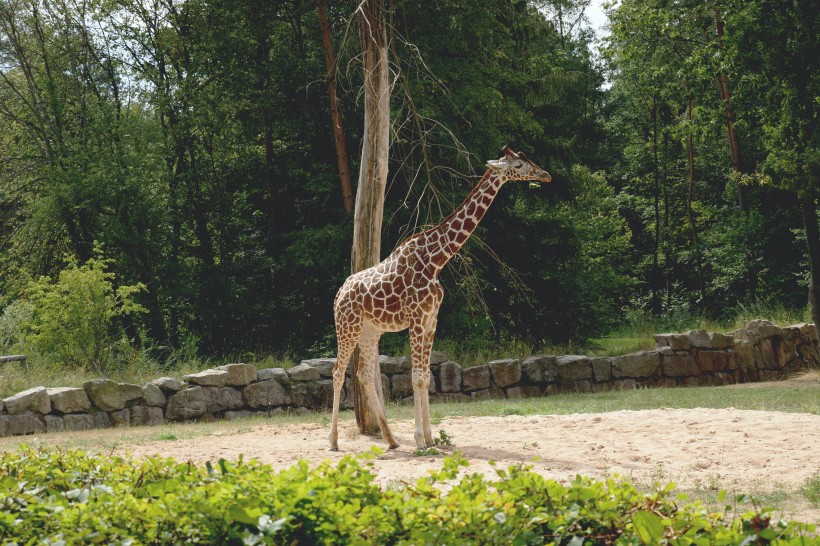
(146, 416)
(601, 369)
(677, 342)
(573, 368)
(152, 395)
(524, 391)
(121, 418)
(69, 400)
(505, 372)
(265, 394)
(220, 399)
(239, 374)
(78, 421)
(394, 364)
(30, 400)
(168, 385)
(401, 385)
(437, 357)
(22, 423)
(540, 369)
(313, 395)
(449, 397)
(711, 361)
(484, 394)
(720, 341)
(110, 396)
(757, 330)
(636, 365)
(786, 350)
(679, 366)
(208, 378)
(323, 365)
(808, 332)
(303, 372)
(699, 339)
(188, 404)
(277, 374)
(450, 377)
(764, 355)
(54, 423)
(744, 354)
(475, 378)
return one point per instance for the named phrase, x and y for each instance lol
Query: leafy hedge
(70, 497)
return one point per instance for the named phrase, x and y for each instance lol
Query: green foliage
(70, 496)
(73, 317)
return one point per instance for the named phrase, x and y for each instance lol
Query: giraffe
(403, 292)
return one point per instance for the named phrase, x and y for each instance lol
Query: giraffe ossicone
(403, 292)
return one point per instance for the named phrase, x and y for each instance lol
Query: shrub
(75, 498)
(73, 317)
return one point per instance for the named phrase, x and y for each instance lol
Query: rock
(699, 339)
(69, 400)
(450, 377)
(30, 400)
(582, 385)
(524, 391)
(573, 367)
(505, 372)
(239, 375)
(208, 378)
(678, 342)
(540, 369)
(110, 396)
(449, 397)
(121, 417)
(265, 394)
(720, 341)
(279, 374)
(243, 414)
(711, 361)
(601, 369)
(437, 357)
(146, 416)
(221, 399)
(808, 332)
(54, 423)
(79, 421)
(764, 355)
(744, 354)
(323, 365)
(636, 365)
(188, 404)
(168, 384)
(313, 395)
(401, 385)
(394, 364)
(757, 330)
(679, 366)
(152, 395)
(22, 423)
(303, 372)
(475, 378)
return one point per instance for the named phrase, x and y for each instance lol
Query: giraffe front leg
(421, 382)
(425, 388)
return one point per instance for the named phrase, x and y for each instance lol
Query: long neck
(452, 232)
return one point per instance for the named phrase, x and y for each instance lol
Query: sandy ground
(702, 450)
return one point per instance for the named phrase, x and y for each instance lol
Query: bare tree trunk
(809, 210)
(690, 215)
(734, 141)
(335, 113)
(373, 174)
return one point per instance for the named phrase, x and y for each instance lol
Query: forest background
(169, 185)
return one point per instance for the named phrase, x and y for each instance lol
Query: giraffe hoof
(393, 446)
(333, 449)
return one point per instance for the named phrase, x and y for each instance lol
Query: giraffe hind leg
(347, 336)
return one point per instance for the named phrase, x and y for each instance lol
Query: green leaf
(648, 526)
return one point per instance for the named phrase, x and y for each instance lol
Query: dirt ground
(768, 454)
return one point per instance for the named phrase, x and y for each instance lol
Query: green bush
(70, 497)
(72, 322)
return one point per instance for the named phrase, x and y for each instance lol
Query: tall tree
(367, 231)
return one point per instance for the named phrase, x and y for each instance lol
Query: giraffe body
(403, 292)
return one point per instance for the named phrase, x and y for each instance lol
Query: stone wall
(759, 352)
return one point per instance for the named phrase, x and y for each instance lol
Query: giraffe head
(516, 166)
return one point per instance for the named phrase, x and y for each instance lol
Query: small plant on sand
(811, 488)
(443, 439)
